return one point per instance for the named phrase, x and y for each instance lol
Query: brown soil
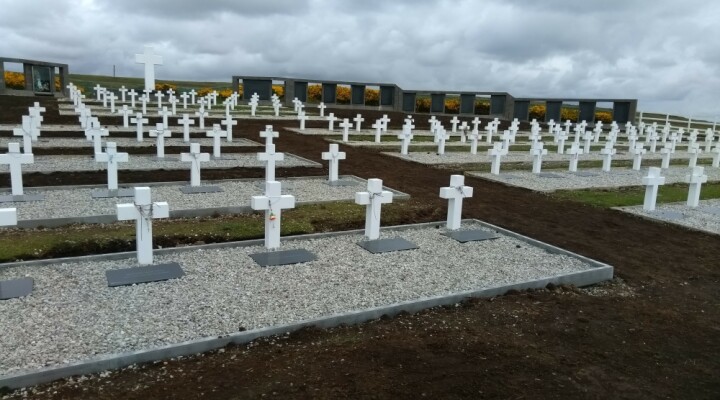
(652, 333)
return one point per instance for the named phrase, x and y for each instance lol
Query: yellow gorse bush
(164, 86)
(372, 97)
(315, 93)
(14, 80)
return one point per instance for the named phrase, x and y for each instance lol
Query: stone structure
(39, 78)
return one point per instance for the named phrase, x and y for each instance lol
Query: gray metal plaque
(163, 159)
(151, 273)
(343, 182)
(15, 288)
(549, 175)
(104, 193)
(22, 198)
(710, 210)
(474, 235)
(585, 174)
(200, 189)
(670, 215)
(507, 176)
(284, 257)
(387, 245)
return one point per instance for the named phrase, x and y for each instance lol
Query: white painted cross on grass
(651, 182)
(537, 152)
(273, 202)
(302, 117)
(334, 156)
(607, 153)
(406, 136)
(695, 180)
(575, 152)
(358, 121)
(373, 199)
(346, 128)
(143, 211)
(455, 194)
(112, 158)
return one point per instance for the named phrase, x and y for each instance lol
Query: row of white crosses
(653, 180)
(29, 129)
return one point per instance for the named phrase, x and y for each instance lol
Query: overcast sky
(666, 53)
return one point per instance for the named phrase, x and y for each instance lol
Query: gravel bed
(69, 203)
(559, 180)
(72, 314)
(46, 142)
(431, 158)
(143, 162)
(47, 130)
(705, 217)
(364, 132)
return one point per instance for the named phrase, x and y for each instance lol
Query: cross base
(284, 257)
(105, 193)
(200, 189)
(145, 274)
(15, 288)
(22, 198)
(342, 182)
(387, 245)
(474, 235)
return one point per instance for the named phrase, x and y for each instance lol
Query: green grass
(89, 81)
(633, 196)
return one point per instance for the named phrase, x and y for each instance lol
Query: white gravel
(705, 217)
(146, 162)
(217, 112)
(47, 142)
(78, 202)
(617, 177)
(72, 314)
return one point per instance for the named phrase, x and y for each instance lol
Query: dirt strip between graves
(655, 335)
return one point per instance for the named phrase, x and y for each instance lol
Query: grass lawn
(634, 196)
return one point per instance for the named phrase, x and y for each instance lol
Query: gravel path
(69, 203)
(73, 315)
(706, 217)
(45, 142)
(142, 162)
(559, 180)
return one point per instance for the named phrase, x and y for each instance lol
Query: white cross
(193, 93)
(346, 128)
(334, 156)
(28, 132)
(489, 132)
(442, 137)
(276, 107)
(269, 134)
(406, 136)
(331, 118)
(159, 96)
(464, 128)
(170, 92)
(229, 122)
(37, 109)
(8, 216)
(132, 94)
(216, 133)
(561, 138)
(716, 157)
(666, 152)
(651, 182)
(709, 137)
(95, 134)
(637, 153)
(201, 114)
(143, 101)
(14, 159)
(272, 203)
(302, 117)
(575, 152)
(98, 90)
(195, 157)
(588, 140)
(322, 108)
(454, 122)
(270, 157)
(455, 194)
(122, 91)
(695, 180)
(184, 96)
(358, 121)
(476, 123)
(496, 154)
(694, 151)
(373, 199)
(378, 130)
(253, 107)
(139, 121)
(112, 158)
(160, 133)
(143, 211)
(474, 137)
(538, 152)
(185, 121)
(125, 112)
(384, 120)
(150, 60)
(173, 104)
(607, 152)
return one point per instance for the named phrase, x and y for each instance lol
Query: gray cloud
(664, 54)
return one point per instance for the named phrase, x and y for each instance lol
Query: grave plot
(240, 111)
(48, 142)
(72, 316)
(552, 180)
(64, 205)
(144, 163)
(705, 217)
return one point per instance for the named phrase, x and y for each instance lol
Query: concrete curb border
(187, 213)
(597, 273)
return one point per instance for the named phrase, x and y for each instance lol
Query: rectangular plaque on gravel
(104, 193)
(15, 288)
(151, 273)
(474, 235)
(283, 257)
(671, 215)
(549, 175)
(200, 189)
(710, 210)
(507, 176)
(387, 245)
(343, 182)
(585, 174)
(22, 198)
